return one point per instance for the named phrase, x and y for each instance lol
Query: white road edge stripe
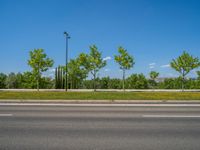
(99, 105)
(170, 116)
(6, 115)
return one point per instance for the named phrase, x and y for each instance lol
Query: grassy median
(100, 95)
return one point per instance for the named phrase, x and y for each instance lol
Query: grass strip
(100, 95)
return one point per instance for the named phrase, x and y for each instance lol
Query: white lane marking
(170, 116)
(6, 115)
(99, 105)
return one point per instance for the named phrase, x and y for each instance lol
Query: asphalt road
(99, 128)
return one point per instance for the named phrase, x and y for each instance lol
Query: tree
(76, 73)
(198, 73)
(137, 81)
(92, 62)
(125, 61)
(153, 75)
(170, 83)
(28, 80)
(104, 82)
(13, 80)
(115, 83)
(47, 83)
(184, 64)
(3, 78)
(198, 80)
(39, 63)
(87, 84)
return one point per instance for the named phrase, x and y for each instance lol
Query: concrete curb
(103, 101)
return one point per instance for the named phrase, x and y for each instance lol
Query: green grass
(101, 95)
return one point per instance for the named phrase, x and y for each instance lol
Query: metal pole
(66, 76)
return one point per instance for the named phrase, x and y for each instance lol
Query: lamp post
(66, 79)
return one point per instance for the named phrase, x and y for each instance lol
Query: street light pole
(66, 77)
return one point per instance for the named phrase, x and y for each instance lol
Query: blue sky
(153, 31)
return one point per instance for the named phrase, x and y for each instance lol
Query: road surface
(99, 128)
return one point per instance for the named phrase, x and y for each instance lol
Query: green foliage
(153, 75)
(79, 68)
(192, 84)
(87, 84)
(198, 74)
(76, 73)
(13, 81)
(171, 83)
(3, 78)
(92, 62)
(184, 64)
(125, 61)
(152, 82)
(24, 80)
(104, 83)
(28, 80)
(115, 84)
(39, 63)
(137, 81)
(47, 83)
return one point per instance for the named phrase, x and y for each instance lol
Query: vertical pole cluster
(59, 78)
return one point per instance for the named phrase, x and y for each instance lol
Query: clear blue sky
(153, 31)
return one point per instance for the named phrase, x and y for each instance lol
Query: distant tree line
(135, 81)
(24, 80)
(80, 67)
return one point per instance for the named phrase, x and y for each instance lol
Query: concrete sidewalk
(100, 90)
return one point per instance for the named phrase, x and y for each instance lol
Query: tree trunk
(38, 84)
(94, 82)
(183, 79)
(124, 80)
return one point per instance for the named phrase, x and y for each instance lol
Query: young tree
(153, 75)
(125, 61)
(39, 62)
(92, 62)
(76, 73)
(184, 64)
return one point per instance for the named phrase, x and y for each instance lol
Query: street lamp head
(67, 35)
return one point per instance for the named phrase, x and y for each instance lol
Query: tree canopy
(39, 62)
(92, 62)
(184, 64)
(125, 61)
